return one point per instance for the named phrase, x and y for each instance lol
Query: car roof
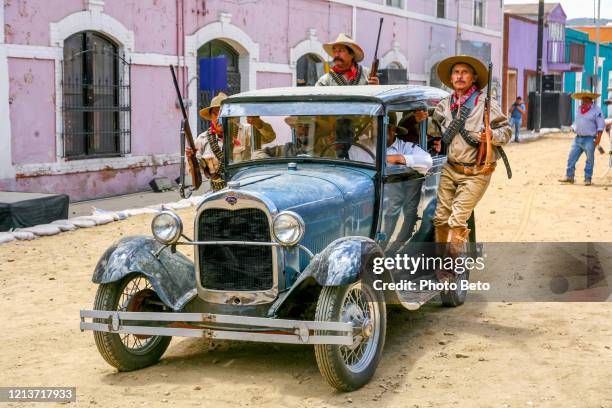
(385, 94)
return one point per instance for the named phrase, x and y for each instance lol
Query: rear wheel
(348, 368)
(129, 352)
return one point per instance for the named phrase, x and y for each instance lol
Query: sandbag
(64, 225)
(42, 230)
(82, 222)
(138, 211)
(101, 219)
(6, 237)
(24, 235)
(117, 215)
(178, 205)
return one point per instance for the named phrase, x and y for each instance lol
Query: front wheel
(129, 352)
(348, 368)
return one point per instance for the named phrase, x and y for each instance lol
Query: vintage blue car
(285, 252)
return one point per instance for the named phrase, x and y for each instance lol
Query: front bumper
(221, 327)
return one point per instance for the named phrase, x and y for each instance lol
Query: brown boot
(441, 233)
(457, 239)
(441, 236)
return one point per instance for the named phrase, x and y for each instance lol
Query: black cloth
(20, 210)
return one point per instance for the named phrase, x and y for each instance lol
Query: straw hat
(215, 103)
(347, 41)
(585, 94)
(446, 65)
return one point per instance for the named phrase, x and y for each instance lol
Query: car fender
(340, 263)
(343, 260)
(172, 275)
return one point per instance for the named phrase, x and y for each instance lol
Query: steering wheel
(359, 145)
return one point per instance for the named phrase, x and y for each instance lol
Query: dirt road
(479, 355)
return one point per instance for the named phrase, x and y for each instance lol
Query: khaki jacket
(459, 150)
(327, 80)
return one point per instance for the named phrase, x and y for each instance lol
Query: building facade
(520, 52)
(599, 80)
(87, 102)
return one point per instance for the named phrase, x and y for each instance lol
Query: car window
(341, 137)
(405, 136)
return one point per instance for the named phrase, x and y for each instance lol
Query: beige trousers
(458, 194)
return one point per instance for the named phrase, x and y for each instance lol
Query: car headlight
(167, 227)
(288, 228)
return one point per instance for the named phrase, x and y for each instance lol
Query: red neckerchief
(350, 73)
(216, 129)
(457, 101)
(585, 108)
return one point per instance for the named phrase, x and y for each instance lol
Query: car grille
(235, 267)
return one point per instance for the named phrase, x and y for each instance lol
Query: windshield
(341, 137)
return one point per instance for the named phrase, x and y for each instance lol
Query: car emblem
(231, 200)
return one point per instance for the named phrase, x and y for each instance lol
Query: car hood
(308, 186)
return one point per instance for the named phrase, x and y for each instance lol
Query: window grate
(96, 98)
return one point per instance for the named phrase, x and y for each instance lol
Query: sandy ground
(478, 355)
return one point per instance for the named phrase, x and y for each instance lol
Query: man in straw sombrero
(459, 118)
(347, 55)
(588, 126)
(209, 144)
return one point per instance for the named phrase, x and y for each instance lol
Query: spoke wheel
(350, 367)
(129, 352)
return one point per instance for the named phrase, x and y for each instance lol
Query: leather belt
(470, 170)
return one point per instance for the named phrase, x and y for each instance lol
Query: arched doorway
(218, 71)
(309, 69)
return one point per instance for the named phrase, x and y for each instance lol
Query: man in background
(517, 110)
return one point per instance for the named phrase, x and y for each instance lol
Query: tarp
(21, 210)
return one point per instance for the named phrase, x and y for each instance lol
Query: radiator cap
(292, 166)
(233, 184)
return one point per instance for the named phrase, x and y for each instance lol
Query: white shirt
(416, 158)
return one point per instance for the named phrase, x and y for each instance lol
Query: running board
(241, 328)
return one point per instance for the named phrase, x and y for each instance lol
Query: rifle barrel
(378, 38)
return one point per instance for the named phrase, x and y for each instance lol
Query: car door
(407, 192)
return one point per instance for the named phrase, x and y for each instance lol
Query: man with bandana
(462, 184)
(209, 144)
(589, 126)
(346, 70)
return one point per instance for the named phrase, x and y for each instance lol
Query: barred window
(96, 98)
(309, 69)
(441, 8)
(479, 13)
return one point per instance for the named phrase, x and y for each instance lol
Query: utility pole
(458, 33)
(538, 92)
(596, 69)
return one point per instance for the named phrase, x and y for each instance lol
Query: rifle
(194, 167)
(486, 149)
(374, 69)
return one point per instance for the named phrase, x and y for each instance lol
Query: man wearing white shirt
(399, 196)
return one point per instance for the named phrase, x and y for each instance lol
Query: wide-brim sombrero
(446, 65)
(347, 41)
(585, 94)
(215, 103)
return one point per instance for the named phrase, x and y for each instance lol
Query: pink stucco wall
(275, 25)
(155, 117)
(153, 23)
(32, 110)
(27, 21)
(89, 185)
(272, 80)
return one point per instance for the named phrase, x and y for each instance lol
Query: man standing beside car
(346, 70)
(462, 185)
